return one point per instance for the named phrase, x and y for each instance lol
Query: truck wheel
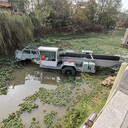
(68, 71)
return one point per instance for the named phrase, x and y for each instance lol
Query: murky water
(25, 82)
(39, 114)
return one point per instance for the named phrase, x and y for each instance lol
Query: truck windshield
(48, 56)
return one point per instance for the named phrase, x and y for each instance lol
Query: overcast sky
(125, 4)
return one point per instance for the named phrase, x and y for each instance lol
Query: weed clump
(7, 65)
(34, 123)
(48, 119)
(3, 91)
(12, 122)
(83, 105)
(26, 107)
(57, 97)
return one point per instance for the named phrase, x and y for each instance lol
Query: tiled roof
(5, 4)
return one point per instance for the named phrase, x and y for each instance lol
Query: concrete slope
(115, 113)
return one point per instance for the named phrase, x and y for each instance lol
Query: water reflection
(35, 74)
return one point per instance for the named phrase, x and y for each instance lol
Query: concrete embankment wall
(115, 112)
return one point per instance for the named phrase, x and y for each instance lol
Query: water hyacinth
(48, 119)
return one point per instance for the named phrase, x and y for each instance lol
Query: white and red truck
(68, 62)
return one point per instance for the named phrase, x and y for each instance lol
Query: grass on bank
(104, 44)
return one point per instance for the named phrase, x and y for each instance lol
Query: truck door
(26, 54)
(48, 58)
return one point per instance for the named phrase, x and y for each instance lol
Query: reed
(15, 30)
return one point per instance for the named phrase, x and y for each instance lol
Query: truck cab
(50, 59)
(48, 56)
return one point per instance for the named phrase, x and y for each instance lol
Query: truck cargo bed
(102, 57)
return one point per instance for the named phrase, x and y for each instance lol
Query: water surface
(25, 82)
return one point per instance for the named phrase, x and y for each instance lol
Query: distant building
(4, 5)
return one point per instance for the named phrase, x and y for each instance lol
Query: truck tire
(68, 71)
